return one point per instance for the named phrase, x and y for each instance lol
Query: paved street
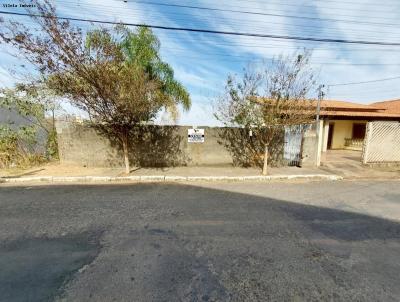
(316, 241)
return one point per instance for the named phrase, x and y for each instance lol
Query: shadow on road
(190, 243)
(34, 269)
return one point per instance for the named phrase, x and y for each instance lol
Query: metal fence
(292, 147)
(382, 143)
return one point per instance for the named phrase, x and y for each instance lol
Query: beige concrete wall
(163, 146)
(343, 129)
(308, 150)
(325, 136)
(320, 128)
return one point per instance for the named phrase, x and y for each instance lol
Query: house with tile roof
(343, 124)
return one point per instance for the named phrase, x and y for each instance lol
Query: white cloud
(202, 61)
(201, 113)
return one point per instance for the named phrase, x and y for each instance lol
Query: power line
(280, 46)
(233, 58)
(368, 90)
(213, 54)
(374, 12)
(105, 9)
(375, 97)
(325, 1)
(364, 82)
(284, 37)
(260, 13)
(212, 42)
(302, 4)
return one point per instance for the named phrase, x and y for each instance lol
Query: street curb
(163, 178)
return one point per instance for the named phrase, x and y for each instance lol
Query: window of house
(359, 131)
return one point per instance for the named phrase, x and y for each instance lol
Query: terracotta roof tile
(390, 109)
(389, 106)
(361, 114)
(332, 104)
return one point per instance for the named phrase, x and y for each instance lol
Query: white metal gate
(292, 147)
(382, 143)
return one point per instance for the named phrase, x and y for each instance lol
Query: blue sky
(203, 61)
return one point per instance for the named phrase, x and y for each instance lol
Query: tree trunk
(265, 167)
(126, 154)
(54, 120)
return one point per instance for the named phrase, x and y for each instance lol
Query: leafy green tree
(142, 48)
(14, 145)
(33, 103)
(115, 75)
(35, 108)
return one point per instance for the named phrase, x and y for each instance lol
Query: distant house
(14, 120)
(343, 124)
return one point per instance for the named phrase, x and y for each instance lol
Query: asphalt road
(318, 241)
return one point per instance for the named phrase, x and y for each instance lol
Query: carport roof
(344, 109)
(366, 114)
(342, 105)
(386, 110)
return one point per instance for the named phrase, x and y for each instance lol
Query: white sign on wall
(196, 135)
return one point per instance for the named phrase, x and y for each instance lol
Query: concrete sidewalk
(63, 173)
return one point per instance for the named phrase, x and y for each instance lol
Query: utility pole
(321, 95)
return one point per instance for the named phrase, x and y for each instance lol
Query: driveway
(347, 163)
(316, 241)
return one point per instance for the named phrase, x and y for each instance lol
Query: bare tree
(116, 75)
(267, 98)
